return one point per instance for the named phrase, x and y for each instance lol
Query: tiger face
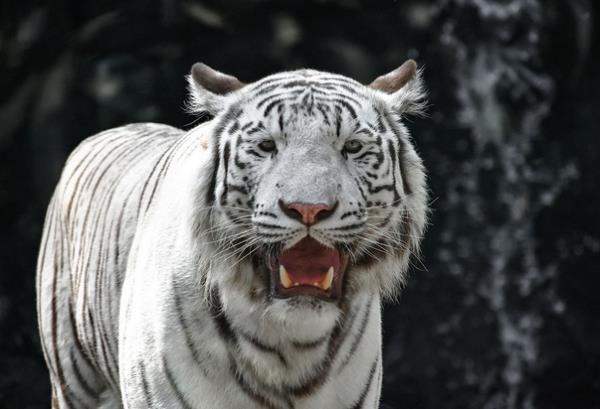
(316, 192)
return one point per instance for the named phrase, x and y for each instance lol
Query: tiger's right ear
(209, 89)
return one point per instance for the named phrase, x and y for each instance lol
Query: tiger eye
(267, 145)
(353, 146)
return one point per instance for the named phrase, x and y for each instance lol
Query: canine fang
(284, 277)
(326, 282)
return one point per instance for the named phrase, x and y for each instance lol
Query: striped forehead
(307, 91)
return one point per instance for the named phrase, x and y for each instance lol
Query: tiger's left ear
(209, 89)
(403, 88)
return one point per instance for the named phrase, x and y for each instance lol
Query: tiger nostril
(307, 213)
(290, 212)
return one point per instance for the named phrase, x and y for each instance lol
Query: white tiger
(241, 264)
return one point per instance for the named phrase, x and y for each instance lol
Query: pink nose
(307, 213)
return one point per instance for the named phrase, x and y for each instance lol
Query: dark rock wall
(502, 310)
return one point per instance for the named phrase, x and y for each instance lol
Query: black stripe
(233, 188)
(171, 151)
(361, 399)
(80, 349)
(151, 177)
(78, 376)
(287, 94)
(145, 386)
(335, 95)
(274, 104)
(268, 214)
(232, 114)
(264, 347)
(406, 234)
(254, 130)
(376, 189)
(210, 193)
(344, 235)
(218, 316)
(360, 189)
(234, 127)
(365, 154)
(308, 99)
(247, 125)
(55, 404)
(54, 336)
(358, 338)
(380, 125)
(401, 153)
(338, 101)
(348, 214)
(393, 156)
(338, 120)
(117, 246)
(223, 198)
(347, 227)
(173, 383)
(310, 344)
(186, 331)
(274, 235)
(282, 83)
(323, 112)
(271, 226)
(385, 221)
(255, 396)
(236, 157)
(97, 301)
(378, 389)
(51, 216)
(254, 153)
(365, 131)
(348, 84)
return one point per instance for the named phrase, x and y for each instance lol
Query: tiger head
(315, 190)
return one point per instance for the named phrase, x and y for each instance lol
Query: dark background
(502, 311)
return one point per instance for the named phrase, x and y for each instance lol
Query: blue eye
(353, 146)
(267, 145)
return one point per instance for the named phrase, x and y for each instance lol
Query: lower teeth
(324, 284)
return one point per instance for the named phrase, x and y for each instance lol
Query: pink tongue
(308, 261)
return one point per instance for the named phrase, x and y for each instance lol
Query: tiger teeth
(325, 284)
(284, 277)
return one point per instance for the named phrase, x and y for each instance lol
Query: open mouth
(310, 269)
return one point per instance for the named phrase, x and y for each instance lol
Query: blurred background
(502, 311)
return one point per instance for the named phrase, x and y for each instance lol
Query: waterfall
(501, 186)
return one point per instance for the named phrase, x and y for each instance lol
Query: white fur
(172, 256)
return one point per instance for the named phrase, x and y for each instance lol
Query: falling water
(502, 102)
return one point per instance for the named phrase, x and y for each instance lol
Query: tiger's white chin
(303, 318)
(299, 318)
